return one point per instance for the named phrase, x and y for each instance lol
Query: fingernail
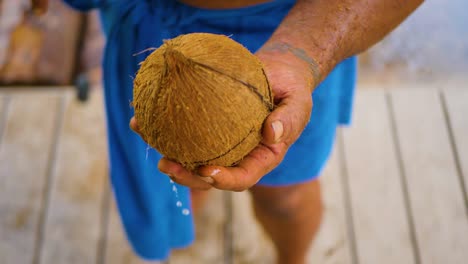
(277, 129)
(207, 179)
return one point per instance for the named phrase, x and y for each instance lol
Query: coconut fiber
(201, 99)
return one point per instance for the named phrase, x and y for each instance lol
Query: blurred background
(431, 46)
(58, 48)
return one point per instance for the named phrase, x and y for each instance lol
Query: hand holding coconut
(219, 141)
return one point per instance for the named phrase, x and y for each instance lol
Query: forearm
(329, 31)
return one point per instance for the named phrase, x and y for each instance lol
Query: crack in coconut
(202, 162)
(254, 89)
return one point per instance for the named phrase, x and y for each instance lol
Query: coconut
(201, 99)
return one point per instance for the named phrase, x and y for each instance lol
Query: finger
(288, 120)
(249, 171)
(134, 126)
(182, 176)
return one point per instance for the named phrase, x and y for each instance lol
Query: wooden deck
(395, 189)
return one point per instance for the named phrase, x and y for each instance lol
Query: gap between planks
(24, 168)
(404, 181)
(347, 198)
(372, 185)
(4, 108)
(435, 194)
(73, 213)
(456, 151)
(48, 181)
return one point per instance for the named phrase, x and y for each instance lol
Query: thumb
(286, 123)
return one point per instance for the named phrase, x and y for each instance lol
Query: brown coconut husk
(201, 99)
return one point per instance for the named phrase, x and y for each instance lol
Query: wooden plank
(428, 163)
(380, 218)
(4, 103)
(118, 250)
(332, 244)
(456, 106)
(24, 165)
(72, 226)
(250, 242)
(209, 226)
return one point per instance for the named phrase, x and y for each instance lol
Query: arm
(330, 31)
(314, 37)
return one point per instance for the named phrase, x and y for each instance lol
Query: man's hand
(292, 81)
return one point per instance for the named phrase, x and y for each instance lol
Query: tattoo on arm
(299, 53)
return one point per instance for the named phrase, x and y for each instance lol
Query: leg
(198, 198)
(291, 216)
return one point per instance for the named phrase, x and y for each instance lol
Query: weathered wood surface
(435, 193)
(72, 229)
(455, 102)
(4, 103)
(25, 154)
(376, 194)
(394, 189)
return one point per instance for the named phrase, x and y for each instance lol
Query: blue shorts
(148, 205)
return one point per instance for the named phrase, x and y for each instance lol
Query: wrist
(282, 47)
(295, 57)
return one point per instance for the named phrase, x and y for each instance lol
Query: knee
(288, 201)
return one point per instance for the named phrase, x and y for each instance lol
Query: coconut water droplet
(179, 204)
(174, 189)
(147, 150)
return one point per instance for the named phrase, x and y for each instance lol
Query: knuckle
(178, 171)
(280, 157)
